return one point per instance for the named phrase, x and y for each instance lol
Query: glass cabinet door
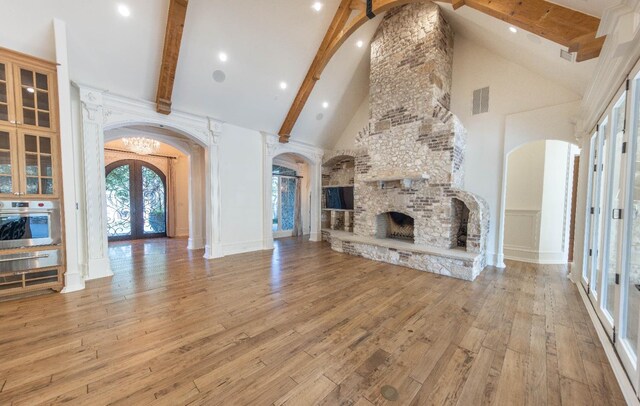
(34, 98)
(38, 177)
(8, 163)
(6, 94)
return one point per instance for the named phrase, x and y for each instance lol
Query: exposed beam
(313, 75)
(564, 26)
(170, 54)
(559, 24)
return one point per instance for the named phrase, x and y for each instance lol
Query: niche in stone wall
(459, 223)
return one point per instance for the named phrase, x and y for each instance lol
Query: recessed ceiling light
(283, 85)
(317, 6)
(325, 105)
(513, 29)
(223, 57)
(31, 90)
(360, 44)
(124, 10)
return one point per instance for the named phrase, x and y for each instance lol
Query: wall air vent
(566, 55)
(481, 101)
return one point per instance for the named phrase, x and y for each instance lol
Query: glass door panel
(613, 213)
(598, 210)
(118, 188)
(627, 344)
(8, 162)
(153, 201)
(38, 158)
(590, 216)
(33, 97)
(6, 94)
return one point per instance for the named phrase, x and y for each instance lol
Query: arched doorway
(136, 200)
(539, 195)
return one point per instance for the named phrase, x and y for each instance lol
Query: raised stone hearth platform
(455, 262)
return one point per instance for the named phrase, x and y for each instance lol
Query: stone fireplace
(410, 160)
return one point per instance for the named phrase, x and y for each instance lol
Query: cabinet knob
(12, 121)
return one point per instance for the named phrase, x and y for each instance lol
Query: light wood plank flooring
(301, 325)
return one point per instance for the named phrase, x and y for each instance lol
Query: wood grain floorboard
(301, 325)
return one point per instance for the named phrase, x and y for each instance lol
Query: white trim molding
(102, 111)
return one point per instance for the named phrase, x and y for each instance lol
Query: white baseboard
(535, 257)
(496, 260)
(98, 268)
(315, 237)
(73, 282)
(618, 370)
(213, 252)
(195, 243)
(242, 247)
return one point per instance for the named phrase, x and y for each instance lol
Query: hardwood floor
(302, 325)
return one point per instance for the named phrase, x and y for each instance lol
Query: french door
(611, 271)
(136, 200)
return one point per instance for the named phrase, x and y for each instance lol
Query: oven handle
(24, 258)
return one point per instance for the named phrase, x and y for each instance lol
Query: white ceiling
(267, 42)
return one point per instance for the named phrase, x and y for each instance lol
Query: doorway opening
(539, 197)
(290, 198)
(136, 200)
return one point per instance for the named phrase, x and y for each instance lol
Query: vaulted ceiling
(267, 42)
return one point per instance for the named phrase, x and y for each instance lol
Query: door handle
(24, 258)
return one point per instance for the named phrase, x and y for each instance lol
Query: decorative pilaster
(269, 147)
(213, 249)
(196, 198)
(315, 169)
(96, 254)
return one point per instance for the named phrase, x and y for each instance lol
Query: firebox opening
(460, 223)
(396, 226)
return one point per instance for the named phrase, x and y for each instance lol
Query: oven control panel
(10, 204)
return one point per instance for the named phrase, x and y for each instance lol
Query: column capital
(271, 143)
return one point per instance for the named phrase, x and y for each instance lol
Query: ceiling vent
(566, 55)
(481, 101)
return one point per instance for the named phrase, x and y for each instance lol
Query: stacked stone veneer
(413, 134)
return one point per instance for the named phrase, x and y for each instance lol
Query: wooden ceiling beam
(315, 70)
(170, 54)
(562, 25)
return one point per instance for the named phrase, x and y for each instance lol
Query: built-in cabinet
(29, 172)
(611, 258)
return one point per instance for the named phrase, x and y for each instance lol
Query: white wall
(241, 189)
(359, 121)
(537, 203)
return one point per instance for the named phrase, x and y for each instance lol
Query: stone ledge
(457, 254)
